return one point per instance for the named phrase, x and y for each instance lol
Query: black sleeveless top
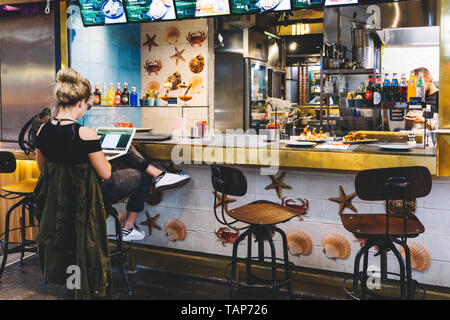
(62, 144)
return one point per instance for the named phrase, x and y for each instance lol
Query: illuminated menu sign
(339, 2)
(300, 4)
(201, 8)
(149, 10)
(100, 12)
(255, 6)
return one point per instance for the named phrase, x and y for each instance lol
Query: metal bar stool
(22, 190)
(261, 218)
(386, 230)
(120, 249)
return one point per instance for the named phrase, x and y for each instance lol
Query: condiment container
(273, 132)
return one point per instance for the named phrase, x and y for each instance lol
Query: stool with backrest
(385, 230)
(22, 190)
(260, 219)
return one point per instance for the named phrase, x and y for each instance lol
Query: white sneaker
(134, 234)
(171, 180)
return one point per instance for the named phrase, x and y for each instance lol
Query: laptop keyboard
(108, 154)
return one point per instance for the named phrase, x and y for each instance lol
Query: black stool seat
(368, 225)
(263, 213)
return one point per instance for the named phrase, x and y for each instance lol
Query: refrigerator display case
(257, 93)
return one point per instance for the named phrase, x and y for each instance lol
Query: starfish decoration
(225, 200)
(345, 201)
(171, 167)
(278, 184)
(150, 42)
(178, 55)
(151, 222)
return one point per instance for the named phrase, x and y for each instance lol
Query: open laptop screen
(114, 139)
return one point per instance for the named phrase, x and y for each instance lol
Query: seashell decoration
(420, 257)
(172, 34)
(336, 246)
(396, 206)
(299, 242)
(175, 229)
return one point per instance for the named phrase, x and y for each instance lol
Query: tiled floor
(24, 282)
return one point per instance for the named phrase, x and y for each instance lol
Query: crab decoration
(226, 236)
(300, 205)
(196, 38)
(153, 66)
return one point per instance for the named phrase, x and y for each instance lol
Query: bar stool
(261, 218)
(22, 190)
(386, 230)
(120, 249)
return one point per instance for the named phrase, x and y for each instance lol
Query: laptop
(115, 142)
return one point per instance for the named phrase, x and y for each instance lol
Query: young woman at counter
(63, 140)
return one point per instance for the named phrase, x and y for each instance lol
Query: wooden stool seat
(368, 225)
(22, 187)
(263, 213)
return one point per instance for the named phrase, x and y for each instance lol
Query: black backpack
(27, 136)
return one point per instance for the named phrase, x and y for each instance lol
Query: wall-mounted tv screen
(149, 10)
(101, 12)
(301, 4)
(340, 2)
(188, 9)
(255, 6)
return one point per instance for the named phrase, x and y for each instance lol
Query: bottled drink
(111, 96)
(411, 86)
(377, 92)
(369, 92)
(419, 87)
(386, 87)
(97, 95)
(133, 97)
(104, 93)
(403, 94)
(125, 95)
(118, 97)
(394, 88)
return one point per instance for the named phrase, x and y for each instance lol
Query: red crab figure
(294, 204)
(226, 236)
(153, 66)
(196, 38)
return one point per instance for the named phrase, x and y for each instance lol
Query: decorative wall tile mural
(174, 62)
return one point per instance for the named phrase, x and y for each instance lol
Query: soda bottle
(386, 87)
(411, 86)
(111, 96)
(419, 87)
(97, 95)
(118, 96)
(125, 95)
(377, 92)
(403, 89)
(369, 92)
(394, 88)
(104, 93)
(133, 97)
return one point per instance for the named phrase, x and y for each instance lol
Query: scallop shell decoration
(336, 246)
(299, 242)
(172, 35)
(420, 257)
(175, 229)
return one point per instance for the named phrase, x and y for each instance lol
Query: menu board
(339, 2)
(300, 4)
(100, 12)
(188, 9)
(255, 6)
(149, 10)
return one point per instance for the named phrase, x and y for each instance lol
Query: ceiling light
(293, 46)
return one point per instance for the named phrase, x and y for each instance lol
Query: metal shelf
(347, 71)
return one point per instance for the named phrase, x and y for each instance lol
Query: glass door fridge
(256, 94)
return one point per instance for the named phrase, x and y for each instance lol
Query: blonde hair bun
(71, 87)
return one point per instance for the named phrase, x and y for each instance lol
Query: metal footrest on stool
(374, 295)
(257, 282)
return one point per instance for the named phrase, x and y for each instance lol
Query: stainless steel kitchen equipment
(363, 45)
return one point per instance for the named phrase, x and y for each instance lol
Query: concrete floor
(24, 283)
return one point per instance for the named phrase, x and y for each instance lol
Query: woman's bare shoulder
(87, 133)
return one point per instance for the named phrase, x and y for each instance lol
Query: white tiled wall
(193, 204)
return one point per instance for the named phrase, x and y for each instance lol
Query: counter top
(15, 149)
(253, 150)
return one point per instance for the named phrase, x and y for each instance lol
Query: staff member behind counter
(414, 119)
